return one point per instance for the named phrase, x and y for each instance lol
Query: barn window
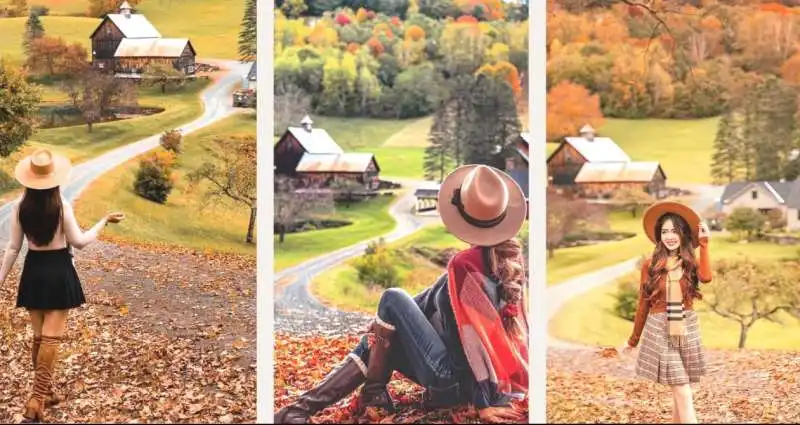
(754, 194)
(101, 65)
(190, 69)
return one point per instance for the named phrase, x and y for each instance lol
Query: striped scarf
(675, 312)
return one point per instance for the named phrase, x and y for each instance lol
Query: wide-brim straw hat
(481, 205)
(655, 211)
(43, 170)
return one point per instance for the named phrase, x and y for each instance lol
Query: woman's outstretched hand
(500, 415)
(115, 217)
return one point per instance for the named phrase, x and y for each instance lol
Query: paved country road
(217, 104)
(298, 312)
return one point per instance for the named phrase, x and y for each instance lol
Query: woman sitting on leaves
(672, 353)
(49, 285)
(464, 339)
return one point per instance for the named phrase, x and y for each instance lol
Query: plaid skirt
(664, 364)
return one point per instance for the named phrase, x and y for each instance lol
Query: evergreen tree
(726, 158)
(749, 139)
(438, 154)
(33, 30)
(495, 122)
(776, 108)
(248, 36)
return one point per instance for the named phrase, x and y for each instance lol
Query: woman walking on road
(464, 339)
(672, 352)
(49, 285)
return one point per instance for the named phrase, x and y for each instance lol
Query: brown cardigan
(659, 305)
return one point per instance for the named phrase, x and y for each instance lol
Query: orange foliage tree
(569, 107)
(53, 56)
(505, 71)
(490, 10)
(415, 33)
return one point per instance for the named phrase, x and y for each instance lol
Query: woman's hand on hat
(703, 231)
(115, 217)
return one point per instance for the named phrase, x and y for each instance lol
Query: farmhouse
(517, 161)
(128, 45)
(596, 167)
(315, 160)
(765, 196)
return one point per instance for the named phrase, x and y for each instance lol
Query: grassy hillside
(215, 38)
(184, 219)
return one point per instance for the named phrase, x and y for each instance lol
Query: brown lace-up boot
(45, 359)
(52, 398)
(374, 392)
(343, 380)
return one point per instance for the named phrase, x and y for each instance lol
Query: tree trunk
(163, 87)
(89, 124)
(252, 225)
(743, 335)
(551, 252)
(282, 233)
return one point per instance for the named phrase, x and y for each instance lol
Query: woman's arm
(75, 236)
(643, 308)
(704, 269)
(13, 247)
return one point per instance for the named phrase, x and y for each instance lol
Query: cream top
(67, 232)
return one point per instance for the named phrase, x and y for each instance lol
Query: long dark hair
(508, 264)
(658, 263)
(40, 214)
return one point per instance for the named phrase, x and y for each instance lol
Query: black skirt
(49, 281)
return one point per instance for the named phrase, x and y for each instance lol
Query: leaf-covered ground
(167, 335)
(301, 362)
(741, 387)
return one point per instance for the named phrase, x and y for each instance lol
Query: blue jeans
(418, 351)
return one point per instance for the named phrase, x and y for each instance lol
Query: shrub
(627, 297)
(376, 266)
(745, 220)
(154, 180)
(172, 141)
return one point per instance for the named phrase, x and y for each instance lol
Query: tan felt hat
(482, 205)
(43, 170)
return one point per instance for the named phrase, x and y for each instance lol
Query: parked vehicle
(244, 98)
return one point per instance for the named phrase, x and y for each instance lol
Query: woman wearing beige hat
(672, 352)
(49, 285)
(464, 338)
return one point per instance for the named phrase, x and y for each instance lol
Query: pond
(56, 116)
(312, 225)
(593, 238)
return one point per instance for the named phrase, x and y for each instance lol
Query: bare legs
(683, 407)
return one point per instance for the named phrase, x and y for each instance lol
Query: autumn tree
(291, 104)
(293, 205)
(746, 221)
(566, 215)
(230, 174)
(632, 199)
(54, 57)
(100, 8)
(19, 7)
(155, 178)
(569, 107)
(172, 141)
(19, 102)
(94, 94)
(248, 33)
(746, 291)
(164, 75)
(33, 30)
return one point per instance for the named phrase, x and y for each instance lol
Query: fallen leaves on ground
(301, 362)
(740, 387)
(166, 336)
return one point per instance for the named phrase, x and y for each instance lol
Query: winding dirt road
(217, 104)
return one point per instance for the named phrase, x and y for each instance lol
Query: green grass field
(71, 29)
(589, 318)
(398, 145)
(76, 142)
(184, 220)
(369, 219)
(212, 25)
(339, 286)
(684, 147)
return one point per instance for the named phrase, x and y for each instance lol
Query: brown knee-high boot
(374, 392)
(343, 380)
(45, 359)
(53, 398)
